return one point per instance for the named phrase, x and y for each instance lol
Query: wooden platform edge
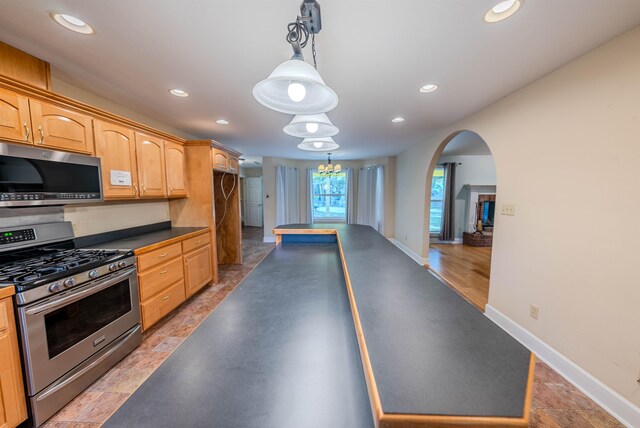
(400, 420)
(170, 241)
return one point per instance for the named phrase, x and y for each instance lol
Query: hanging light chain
(313, 50)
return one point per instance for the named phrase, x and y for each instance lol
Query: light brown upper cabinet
(58, 128)
(223, 161)
(15, 120)
(152, 181)
(175, 162)
(116, 148)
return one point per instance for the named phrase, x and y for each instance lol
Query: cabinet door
(151, 169)
(219, 160)
(58, 128)
(234, 165)
(15, 121)
(176, 169)
(197, 269)
(116, 148)
(13, 408)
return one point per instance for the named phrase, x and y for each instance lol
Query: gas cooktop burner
(34, 267)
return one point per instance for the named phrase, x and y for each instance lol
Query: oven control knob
(55, 287)
(113, 266)
(93, 274)
(69, 282)
(122, 264)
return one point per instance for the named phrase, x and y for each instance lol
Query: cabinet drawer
(4, 311)
(152, 281)
(159, 306)
(195, 242)
(161, 255)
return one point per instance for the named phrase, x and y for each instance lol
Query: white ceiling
(466, 143)
(374, 54)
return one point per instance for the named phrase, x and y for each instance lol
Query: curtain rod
(457, 163)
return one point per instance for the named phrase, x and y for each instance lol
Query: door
(58, 128)
(15, 121)
(197, 269)
(116, 148)
(176, 173)
(151, 168)
(253, 201)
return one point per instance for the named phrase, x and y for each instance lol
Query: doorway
(253, 214)
(462, 193)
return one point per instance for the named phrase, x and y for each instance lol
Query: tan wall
(88, 220)
(269, 183)
(567, 154)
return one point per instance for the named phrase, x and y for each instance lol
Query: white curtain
(371, 197)
(310, 195)
(351, 205)
(287, 195)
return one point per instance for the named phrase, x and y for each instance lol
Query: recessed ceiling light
(179, 93)
(428, 88)
(503, 10)
(397, 119)
(222, 122)
(72, 23)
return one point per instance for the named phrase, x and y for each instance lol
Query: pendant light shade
(311, 125)
(318, 144)
(295, 87)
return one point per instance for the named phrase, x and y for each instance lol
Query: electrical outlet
(533, 311)
(508, 209)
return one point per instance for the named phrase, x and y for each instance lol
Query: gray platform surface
(146, 239)
(279, 351)
(431, 352)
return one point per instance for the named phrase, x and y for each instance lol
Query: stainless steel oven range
(77, 311)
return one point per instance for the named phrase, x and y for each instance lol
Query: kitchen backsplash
(90, 219)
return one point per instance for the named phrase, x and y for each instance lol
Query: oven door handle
(91, 288)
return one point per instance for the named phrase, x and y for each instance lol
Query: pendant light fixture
(311, 125)
(318, 144)
(329, 169)
(295, 86)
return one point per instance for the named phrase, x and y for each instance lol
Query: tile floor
(556, 403)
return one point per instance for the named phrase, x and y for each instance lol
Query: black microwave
(30, 176)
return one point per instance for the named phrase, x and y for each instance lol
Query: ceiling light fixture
(222, 122)
(397, 119)
(72, 23)
(311, 125)
(179, 93)
(431, 87)
(502, 10)
(329, 169)
(318, 144)
(295, 87)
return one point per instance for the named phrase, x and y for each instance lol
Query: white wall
(571, 140)
(269, 185)
(479, 170)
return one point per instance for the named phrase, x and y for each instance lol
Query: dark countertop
(146, 239)
(430, 351)
(279, 351)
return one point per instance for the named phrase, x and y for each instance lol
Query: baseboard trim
(409, 252)
(269, 239)
(618, 406)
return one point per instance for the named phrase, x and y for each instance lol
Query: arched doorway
(460, 211)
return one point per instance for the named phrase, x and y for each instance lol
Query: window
(437, 200)
(329, 198)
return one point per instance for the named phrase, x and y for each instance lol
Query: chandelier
(329, 169)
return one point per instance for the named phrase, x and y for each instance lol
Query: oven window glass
(78, 320)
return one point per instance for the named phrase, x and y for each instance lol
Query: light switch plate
(534, 312)
(508, 209)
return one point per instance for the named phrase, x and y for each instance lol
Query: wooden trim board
(170, 241)
(397, 420)
(7, 291)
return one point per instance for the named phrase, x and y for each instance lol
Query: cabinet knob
(41, 135)
(27, 131)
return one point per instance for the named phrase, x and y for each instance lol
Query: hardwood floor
(465, 269)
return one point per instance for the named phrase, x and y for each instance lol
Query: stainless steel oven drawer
(51, 399)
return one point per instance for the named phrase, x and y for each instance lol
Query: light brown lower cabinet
(169, 274)
(13, 408)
